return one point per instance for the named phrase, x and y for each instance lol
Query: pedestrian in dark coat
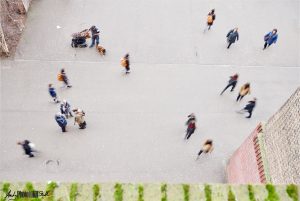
(210, 19)
(232, 36)
(231, 83)
(125, 63)
(61, 121)
(191, 129)
(52, 93)
(95, 36)
(27, 147)
(270, 38)
(249, 107)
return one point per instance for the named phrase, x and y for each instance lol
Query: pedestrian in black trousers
(27, 147)
(232, 36)
(191, 129)
(249, 107)
(231, 83)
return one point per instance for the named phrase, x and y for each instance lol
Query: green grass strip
(118, 192)
(96, 192)
(292, 191)
(141, 193)
(29, 186)
(73, 192)
(186, 192)
(50, 189)
(251, 193)
(231, 196)
(272, 195)
(208, 192)
(163, 190)
(5, 189)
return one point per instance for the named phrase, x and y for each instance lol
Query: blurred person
(191, 117)
(270, 38)
(79, 118)
(52, 93)
(207, 147)
(61, 121)
(95, 36)
(125, 63)
(27, 147)
(65, 108)
(62, 76)
(190, 129)
(210, 19)
(249, 107)
(245, 89)
(231, 83)
(232, 36)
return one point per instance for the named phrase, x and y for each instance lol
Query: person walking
(190, 129)
(95, 36)
(79, 118)
(62, 76)
(249, 107)
(231, 83)
(65, 108)
(245, 89)
(27, 147)
(270, 38)
(52, 93)
(125, 63)
(232, 36)
(61, 121)
(207, 147)
(210, 19)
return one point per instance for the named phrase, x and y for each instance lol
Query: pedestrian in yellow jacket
(245, 89)
(206, 148)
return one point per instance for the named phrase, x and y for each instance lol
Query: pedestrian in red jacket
(191, 129)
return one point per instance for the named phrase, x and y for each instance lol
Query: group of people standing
(233, 35)
(65, 107)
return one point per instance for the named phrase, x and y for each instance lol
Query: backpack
(60, 77)
(210, 19)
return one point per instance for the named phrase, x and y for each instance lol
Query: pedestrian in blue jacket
(270, 38)
(52, 93)
(61, 121)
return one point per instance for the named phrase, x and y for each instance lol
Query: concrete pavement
(136, 123)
